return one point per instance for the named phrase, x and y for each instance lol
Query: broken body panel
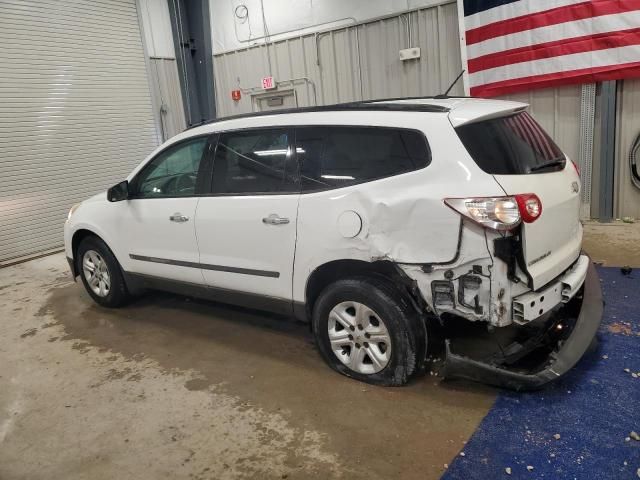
(402, 219)
(565, 337)
(527, 275)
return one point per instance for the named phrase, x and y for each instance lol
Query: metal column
(607, 149)
(585, 155)
(192, 39)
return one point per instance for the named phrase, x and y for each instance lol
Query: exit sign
(268, 83)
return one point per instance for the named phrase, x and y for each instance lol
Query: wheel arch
(334, 270)
(76, 239)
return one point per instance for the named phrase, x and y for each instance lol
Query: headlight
(73, 209)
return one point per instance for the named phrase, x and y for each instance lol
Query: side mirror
(118, 192)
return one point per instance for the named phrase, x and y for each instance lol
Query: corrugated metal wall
(165, 89)
(358, 62)
(75, 112)
(330, 62)
(627, 196)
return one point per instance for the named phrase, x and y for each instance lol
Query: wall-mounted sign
(236, 95)
(268, 83)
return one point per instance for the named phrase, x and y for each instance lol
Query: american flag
(515, 45)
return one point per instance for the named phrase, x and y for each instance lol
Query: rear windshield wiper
(551, 163)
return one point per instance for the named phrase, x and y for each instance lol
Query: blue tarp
(593, 409)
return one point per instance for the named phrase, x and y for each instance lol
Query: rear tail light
(498, 213)
(530, 207)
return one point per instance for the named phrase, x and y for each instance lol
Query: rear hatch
(524, 159)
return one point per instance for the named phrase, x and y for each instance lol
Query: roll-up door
(75, 112)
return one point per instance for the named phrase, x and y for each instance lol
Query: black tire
(405, 328)
(118, 294)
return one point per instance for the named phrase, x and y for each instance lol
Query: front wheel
(365, 329)
(101, 273)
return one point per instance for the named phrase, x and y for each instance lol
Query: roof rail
(367, 105)
(440, 96)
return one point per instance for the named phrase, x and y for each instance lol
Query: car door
(158, 220)
(246, 227)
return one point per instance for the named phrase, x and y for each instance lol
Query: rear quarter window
(333, 157)
(513, 145)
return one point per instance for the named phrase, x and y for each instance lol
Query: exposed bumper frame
(584, 331)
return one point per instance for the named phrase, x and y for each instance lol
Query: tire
(99, 256)
(337, 313)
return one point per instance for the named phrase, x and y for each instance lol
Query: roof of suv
(461, 110)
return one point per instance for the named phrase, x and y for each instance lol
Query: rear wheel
(365, 329)
(101, 273)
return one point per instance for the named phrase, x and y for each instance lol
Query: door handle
(275, 219)
(178, 218)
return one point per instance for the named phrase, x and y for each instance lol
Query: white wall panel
(156, 24)
(167, 97)
(291, 18)
(75, 112)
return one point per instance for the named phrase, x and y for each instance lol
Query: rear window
(333, 157)
(514, 145)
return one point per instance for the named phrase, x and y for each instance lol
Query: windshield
(513, 145)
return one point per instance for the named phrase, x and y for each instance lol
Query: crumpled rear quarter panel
(404, 218)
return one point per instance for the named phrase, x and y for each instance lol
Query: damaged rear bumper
(560, 361)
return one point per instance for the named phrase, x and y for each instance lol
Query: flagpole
(463, 46)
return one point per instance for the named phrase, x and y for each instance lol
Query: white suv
(381, 223)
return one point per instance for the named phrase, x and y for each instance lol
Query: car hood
(98, 197)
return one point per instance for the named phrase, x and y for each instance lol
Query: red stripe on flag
(519, 128)
(579, 11)
(587, 43)
(534, 134)
(530, 132)
(584, 75)
(541, 138)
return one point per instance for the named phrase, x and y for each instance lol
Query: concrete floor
(613, 244)
(173, 388)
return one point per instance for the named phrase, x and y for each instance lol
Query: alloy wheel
(359, 337)
(96, 273)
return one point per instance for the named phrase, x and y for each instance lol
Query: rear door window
(254, 162)
(333, 157)
(513, 145)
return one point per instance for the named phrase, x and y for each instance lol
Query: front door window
(173, 173)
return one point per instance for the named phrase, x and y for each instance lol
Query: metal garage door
(75, 112)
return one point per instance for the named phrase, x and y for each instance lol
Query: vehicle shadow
(226, 333)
